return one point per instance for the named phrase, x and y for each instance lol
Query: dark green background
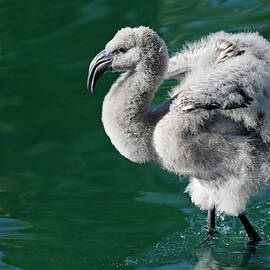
(69, 200)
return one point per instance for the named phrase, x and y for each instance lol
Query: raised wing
(239, 83)
(183, 62)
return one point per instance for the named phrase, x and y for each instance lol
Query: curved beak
(99, 65)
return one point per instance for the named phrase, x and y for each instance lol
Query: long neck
(127, 117)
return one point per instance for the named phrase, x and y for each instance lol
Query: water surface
(68, 200)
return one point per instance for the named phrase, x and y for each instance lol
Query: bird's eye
(122, 50)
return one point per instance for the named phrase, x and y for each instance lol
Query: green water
(68, 199)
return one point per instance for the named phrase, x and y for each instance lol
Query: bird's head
(138, 49)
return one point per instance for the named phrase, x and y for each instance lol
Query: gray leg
(210, 228)
(253, 237)
(211, 222)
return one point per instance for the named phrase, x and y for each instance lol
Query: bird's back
(229, 68)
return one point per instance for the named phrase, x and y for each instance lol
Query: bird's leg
(210, 228)
(253, 236)
(211, 222)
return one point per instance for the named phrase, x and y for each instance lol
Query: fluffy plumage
(215, 126)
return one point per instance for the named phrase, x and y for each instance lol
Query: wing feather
(183, 62)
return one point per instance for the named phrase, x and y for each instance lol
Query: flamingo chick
(214, 128)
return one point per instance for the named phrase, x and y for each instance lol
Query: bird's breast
(170, 145)
(186, 147)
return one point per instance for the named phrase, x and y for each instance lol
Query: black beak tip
(88, 86)
(99, 65)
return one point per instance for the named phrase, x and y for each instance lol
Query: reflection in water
(9, 231)
(208, 258)
(12, 230)
(88, 207)
(5, 266)
(8, 225)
